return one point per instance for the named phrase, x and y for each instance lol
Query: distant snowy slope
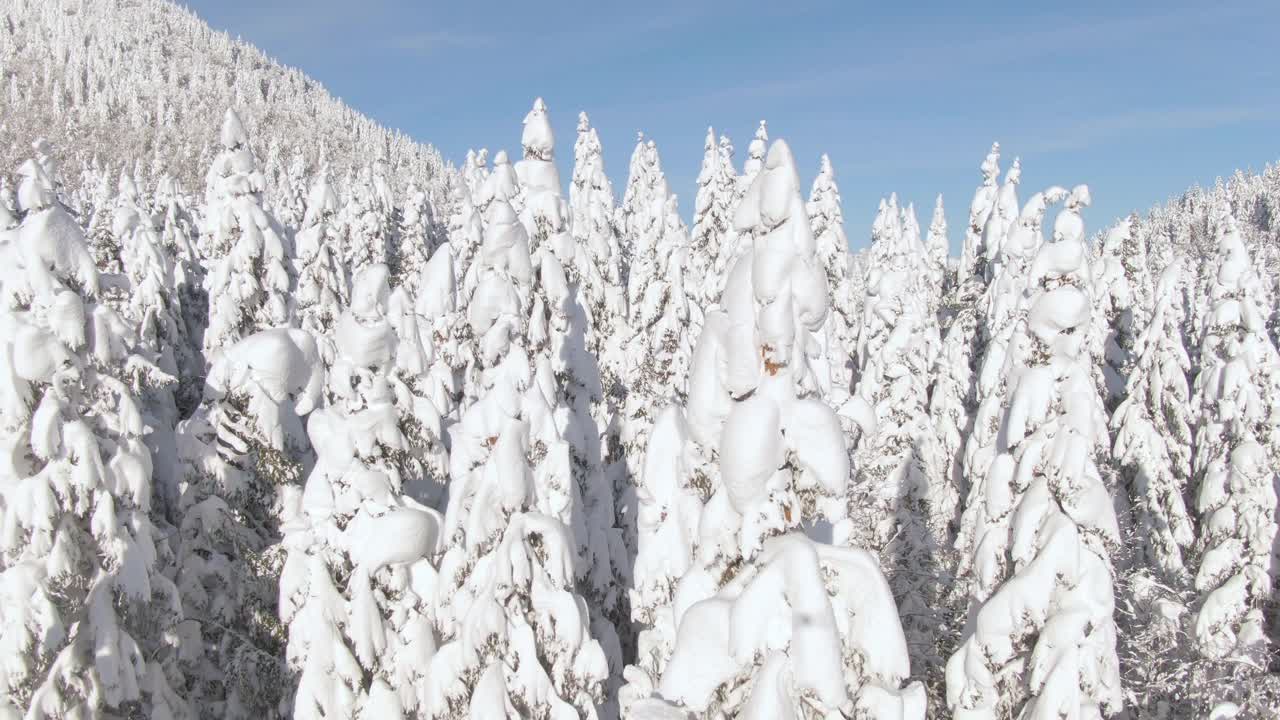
(147, 82)
(1184, 223)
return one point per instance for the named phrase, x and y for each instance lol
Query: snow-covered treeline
(360, 435)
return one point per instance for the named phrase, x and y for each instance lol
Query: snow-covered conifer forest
(300, 420)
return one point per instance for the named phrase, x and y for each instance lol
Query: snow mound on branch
(43, 253)
(280, 370)
(783, 609)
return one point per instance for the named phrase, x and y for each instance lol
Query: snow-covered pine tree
(937, 249)
(568, 384)
(1270, 264)
(1153, 428)
(570, 379)
(1120, 315)
(1236, 453)
(727, 192)
(838, 337)
(274, 176)
(901, 503)
(153, 304)
(827, 219)
(357, 589)
(465, 237)
(670, 500)
(89, 622)
(502, 278)
(951, 399)
(173, 218)
(781, 466)
(293, 192)
(418, 239)
(101, 237)
(466, 233)
(498, 221)
(632, 212)
(973, 254)
(501, 184)
(129, 212)
(435, 306)
(911, 234)
(1002, 307)
(1001, 219)
(516, 635)
(545, 214)
(42, 152)
(755, 159)
(249, 282)
(1152, 448)
(598, 264)
(735, 243)
(1041, 638)
(366, 225)
(643, 212)
(92, 192)
(415, 393)
(462, 211)
(953, 396)
(167, 225)
(708, 220)
(178, 231)
(9, 216)
(886, 228)
(386, 197)
(660, 351)
(244, 454)
(712, 218)
(322, 288)
(602, 305)
(475, 168)
(658, 355)
(1207, 224)
(1135, 257)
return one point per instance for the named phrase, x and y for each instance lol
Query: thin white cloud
(1099, 129)
(432, 41)
(948, 50)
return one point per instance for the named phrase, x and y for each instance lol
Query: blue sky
(1140, 101)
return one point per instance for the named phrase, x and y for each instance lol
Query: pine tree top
(233, 134)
